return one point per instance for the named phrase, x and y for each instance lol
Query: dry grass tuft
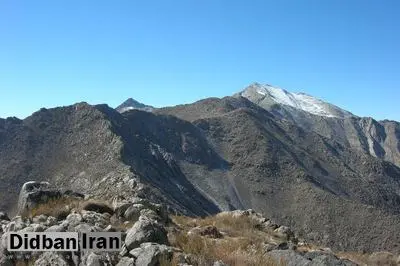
(58, 208)
(378, 258)
(241, 245)
(96, 206)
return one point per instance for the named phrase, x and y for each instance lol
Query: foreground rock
(33, 193)
(145, 230)
(151, 254)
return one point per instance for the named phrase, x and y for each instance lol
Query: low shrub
(58, 208)
(99, 207)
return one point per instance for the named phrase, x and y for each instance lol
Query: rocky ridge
(150, 236)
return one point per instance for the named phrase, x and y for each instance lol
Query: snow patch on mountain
(131, 104)
(299, 101)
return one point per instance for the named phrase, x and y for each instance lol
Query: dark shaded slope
(97, 151)
(323, 189)
(153, 145)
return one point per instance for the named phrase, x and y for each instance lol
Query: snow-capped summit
(267, 96)
(131, 104)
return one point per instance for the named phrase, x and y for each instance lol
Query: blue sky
(163, 53)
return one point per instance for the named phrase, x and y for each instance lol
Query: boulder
(285, 232)
(56, 228)
(126, 261)
(94, 218)
(74, 219)
(38, 227)
(132, 213)
(151, 254)
(51, 258)
(83, 227)
(288, 258)
(328, 259)
(145, 230)
(4, 217)
(51, 221)
(131, 210)
(4, 261)
(39, 219)
(33, 193)
(94, 260)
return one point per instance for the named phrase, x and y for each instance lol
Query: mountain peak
(131, 104)
(267, 95)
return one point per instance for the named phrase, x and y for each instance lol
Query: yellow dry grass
(241, 244)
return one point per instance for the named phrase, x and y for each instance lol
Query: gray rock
(40, 219)
(74, 219)
(132, 213)
(84, 227)
(51, 221)
(145, 230)
(288, 258)
(33, 193)
(4, 261)
(94, 260)
(278, 246)
(330, 260)
(133, 209)
(126, 261)
(27, 229)
(94, 218)
(220, 263)
(3, 216)
(15, 225)
(314, 254)
(51, 258)
(120, 208)
(38, 227)
(56, 228)
(110, 228)
(151, 214)
(284, 231)
(150, 254)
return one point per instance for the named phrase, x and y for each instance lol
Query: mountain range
(332, 176)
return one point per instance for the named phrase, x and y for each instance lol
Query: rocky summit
(324, 173)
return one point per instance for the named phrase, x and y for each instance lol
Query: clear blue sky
(162, 53)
